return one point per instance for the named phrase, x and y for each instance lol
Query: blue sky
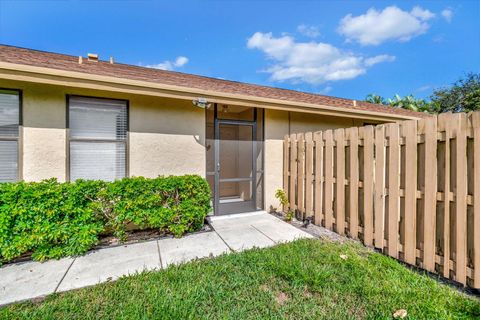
(340, 48)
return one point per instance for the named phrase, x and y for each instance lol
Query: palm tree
(410, 103)
(375, 98)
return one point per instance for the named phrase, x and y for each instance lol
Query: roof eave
(20, 72)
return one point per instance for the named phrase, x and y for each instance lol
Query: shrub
(53, 220)
(173, 204)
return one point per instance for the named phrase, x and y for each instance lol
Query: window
(9, 134)
(98, 138)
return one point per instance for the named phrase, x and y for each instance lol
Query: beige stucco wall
(276, 127)
(166, 136)
(44, 134)
(304, 122)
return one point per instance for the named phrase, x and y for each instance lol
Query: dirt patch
(307, 293)
(281, 298)
(264, 287)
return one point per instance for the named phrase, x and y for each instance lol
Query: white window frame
(19, 136)
(93, 140)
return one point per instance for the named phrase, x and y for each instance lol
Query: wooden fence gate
(410, 189)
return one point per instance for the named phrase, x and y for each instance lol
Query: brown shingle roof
(70, 63)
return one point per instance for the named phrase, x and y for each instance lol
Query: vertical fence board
(301, 176)
(309, 174)
(286, 169)
(393, 188)
(427, 178)
(379, 205)
(444, 123)
(328, 203)
(318, 136)
(293, 172)
(410, 208)
(476, 198)
(430, 194)
(461, 199)
(340, 181)
(368, 137)
(353, 182)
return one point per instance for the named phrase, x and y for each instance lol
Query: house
(73, 117)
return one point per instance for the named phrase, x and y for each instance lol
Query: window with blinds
(9, 134)
(98, 138)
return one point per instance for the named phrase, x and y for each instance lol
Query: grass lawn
(306, 279)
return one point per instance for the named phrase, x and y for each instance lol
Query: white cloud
(309, 31)
(422, 14)
(180, 61)
(378, 59)
(310, 62)
(447, 14)
(392, 23)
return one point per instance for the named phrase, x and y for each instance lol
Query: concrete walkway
(31, 280)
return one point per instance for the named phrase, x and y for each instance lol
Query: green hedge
(53, 219)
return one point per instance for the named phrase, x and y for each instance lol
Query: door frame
(247, 205)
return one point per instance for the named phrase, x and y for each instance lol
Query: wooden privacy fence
(410, 189)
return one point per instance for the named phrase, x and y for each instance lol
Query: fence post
(379, 204)
(445, 124)
(328, 179)
(353, 182)
(318, 136)
(309, 174)
(301, 175)
(340, 181)
(293, 172)
(286, 169)
(393, 188)
(430, 193)
(461, 198)
(368, 137)
(409, 131)
(476, 198)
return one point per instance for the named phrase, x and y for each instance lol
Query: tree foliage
(411, 103)
(462, 96)
(375, 98)
(408, 102)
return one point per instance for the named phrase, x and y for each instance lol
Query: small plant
(282, 198)
(289, 215)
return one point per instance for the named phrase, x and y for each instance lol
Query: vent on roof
(92, 57)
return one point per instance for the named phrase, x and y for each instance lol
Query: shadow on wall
(167, 117)
(304, 122)
(279, 123)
